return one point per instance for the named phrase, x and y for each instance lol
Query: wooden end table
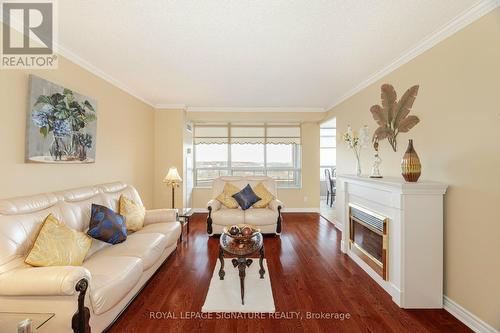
(241, 250)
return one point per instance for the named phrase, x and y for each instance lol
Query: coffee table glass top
(10, 320)
(233, 246)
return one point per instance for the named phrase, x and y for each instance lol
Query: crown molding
(459, 22)
(71, 56)
(171, 106)
(255, 109)
(74, 58)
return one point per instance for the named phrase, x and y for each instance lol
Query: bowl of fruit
(241, 232)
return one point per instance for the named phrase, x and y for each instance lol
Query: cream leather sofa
(268, 220)
(115, 273)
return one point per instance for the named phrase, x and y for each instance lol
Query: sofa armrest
(275, 204)
(160, 216)
(215, 204)
(42, 281)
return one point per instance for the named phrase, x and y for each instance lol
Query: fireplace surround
(413, 242)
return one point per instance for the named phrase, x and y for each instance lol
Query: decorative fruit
(246, 231)
(234, 230)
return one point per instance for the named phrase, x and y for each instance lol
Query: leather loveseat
(110, 276)
(268, 219)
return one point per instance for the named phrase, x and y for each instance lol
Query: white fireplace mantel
(415, 234)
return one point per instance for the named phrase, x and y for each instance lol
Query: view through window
(247, 150)
(328, 146)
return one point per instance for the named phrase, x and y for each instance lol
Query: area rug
(224, 295)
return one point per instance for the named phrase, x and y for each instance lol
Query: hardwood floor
(308, 274)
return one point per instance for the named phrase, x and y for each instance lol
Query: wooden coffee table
(241, 250)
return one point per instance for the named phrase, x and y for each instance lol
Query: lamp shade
(172, 176)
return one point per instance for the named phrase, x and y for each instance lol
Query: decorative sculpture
(376, 162)
(392, 117)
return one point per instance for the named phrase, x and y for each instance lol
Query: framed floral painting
(61, 124)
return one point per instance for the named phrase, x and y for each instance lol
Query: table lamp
(173, 179)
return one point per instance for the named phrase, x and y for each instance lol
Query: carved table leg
(242, 264)
(221, 258)
(241, 268)
(262, 271)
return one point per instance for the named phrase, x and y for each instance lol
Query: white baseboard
(285, 210)
(200, 210)
(300, 210)
(335, 222)
(465, 316)
(338, 225)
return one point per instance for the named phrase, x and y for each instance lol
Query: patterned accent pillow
(246, 197)
(265, 196)
(133, 213)
(226, 197)
(58, 245)
(107, 225)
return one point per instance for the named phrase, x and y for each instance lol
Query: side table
(241, 250)
(10, 320)
(184, 214)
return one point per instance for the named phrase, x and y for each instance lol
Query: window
(328, 146)
(247, 150)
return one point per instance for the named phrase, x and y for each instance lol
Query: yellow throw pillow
(265, 196)
(133, 213)
(226, 197)
(58, 245)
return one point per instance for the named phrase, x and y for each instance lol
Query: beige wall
(124, 136)
(458, 141)
(293, 198)
(169, 142)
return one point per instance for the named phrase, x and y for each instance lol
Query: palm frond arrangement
(393, 115)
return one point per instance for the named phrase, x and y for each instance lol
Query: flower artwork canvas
(61, 124)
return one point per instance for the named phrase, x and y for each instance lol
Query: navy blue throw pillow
(107, 225)
(246, 197)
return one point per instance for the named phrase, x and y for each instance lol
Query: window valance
(247, 134)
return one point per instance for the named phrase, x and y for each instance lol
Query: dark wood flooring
(308, 274)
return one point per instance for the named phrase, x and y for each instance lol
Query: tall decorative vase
(358, 165)
(410, 164)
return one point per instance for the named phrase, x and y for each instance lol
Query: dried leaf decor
(393, 116)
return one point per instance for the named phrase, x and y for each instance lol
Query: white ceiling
(242, 53)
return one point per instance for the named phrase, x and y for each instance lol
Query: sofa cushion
(58, 245)
(246, 197)
(146, 246)
(133, 213)
(260, 216)
(112, 278)
(171, 230)
(228, 216)
(265, 196)
(106, 225)
(226, 197)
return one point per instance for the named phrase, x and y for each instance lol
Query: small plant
(393, 116)
(356, 143)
